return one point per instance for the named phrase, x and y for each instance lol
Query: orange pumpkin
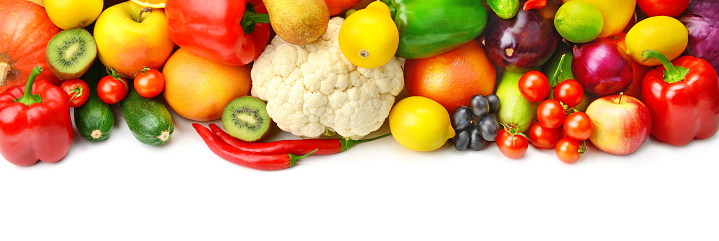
(24, 33)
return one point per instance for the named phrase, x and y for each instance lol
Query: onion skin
(602, 68)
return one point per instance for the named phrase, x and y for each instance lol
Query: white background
(121, 189)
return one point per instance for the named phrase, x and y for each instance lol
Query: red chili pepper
(296, 147)
(227, 31)
(683, 97)
(35, 122)
(534, 4)
(244, 158)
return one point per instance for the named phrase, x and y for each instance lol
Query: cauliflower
(313, 89)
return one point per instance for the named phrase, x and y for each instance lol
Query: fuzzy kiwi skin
(230, 108)
(63, 75)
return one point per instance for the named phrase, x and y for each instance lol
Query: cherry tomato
(671, 8)
(112, 88)
(534, 86)
(77, 91)
(579, 126)
(569, 92)
(512, 143)
(550, 114)
(542, 137)
(569, 150)
(149, 82)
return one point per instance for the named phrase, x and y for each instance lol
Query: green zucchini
(94, 119)
(149, 120)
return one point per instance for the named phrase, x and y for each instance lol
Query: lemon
(661, 33)
(67, 14)
(369, 37)
(420, 124)
(616, 14)
(578, 22)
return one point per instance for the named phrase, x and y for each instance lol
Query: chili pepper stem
(671, 73)
(28, 98)
(295, 158)
(346, 144)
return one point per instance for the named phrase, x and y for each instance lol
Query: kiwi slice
(70, 53)
(246, 118)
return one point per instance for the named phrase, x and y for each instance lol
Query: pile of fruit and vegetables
(471, 74)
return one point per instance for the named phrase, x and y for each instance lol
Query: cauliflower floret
(313, 88)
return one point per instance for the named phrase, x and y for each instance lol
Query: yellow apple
(129, 38)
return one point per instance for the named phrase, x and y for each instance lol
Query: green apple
(129, 37)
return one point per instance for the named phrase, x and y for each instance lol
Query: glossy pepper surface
(428, 28)
(226, 31)
(683, 98)
(34, 122)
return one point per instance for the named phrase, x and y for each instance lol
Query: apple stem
(144, 10)
(4, 71)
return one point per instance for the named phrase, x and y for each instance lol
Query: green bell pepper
(428, 28)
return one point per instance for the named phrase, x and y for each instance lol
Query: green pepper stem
(295, 158)
(346, 144)
(250, 18)
(28, 98)
(671, 73)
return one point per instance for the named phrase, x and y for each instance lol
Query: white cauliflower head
(313, 88)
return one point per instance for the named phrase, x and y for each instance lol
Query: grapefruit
(452, 78)
(199, 89)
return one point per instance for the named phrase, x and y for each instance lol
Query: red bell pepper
(34, 122)
(683, 98)
(227, 31)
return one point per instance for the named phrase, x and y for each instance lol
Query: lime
(420, 124)
(661, 33)
(578, 22)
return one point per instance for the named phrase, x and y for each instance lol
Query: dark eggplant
(524, 42)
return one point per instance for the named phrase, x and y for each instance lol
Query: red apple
(621, 123)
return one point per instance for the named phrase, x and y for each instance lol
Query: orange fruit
(150, 3)
(199, 89)
(452, 78)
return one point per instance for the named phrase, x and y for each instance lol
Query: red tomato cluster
(558, 125)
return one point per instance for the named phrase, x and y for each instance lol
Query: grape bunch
(477, 123)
